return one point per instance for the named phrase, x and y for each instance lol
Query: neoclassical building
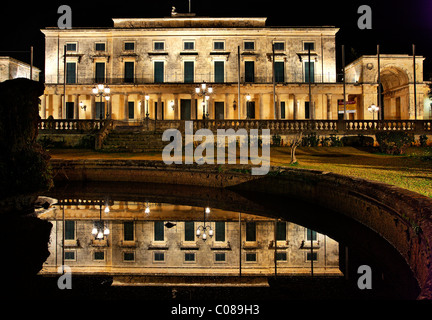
(154, 66)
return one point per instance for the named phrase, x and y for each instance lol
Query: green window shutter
(159, 231)
(311, 235)
(100, 72)
(249, 71)
(279, 71)
(189, 231)
(281, 231)
(71, 72)
(189, 71)
(219, 71)
(310, 65)
(220, 231)
(250, 231)
(128, 228)
(129, 72)
(69, 230)
(158, 72)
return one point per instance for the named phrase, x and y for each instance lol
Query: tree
(295, 143)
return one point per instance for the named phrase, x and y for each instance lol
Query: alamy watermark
(204, 153)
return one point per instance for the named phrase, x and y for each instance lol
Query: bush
(423, 140)
(276, 140)
(394, 142)
(311, 140)
(357, 141)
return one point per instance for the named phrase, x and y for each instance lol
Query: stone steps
(133, 139)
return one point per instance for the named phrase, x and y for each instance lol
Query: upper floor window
(189, 45)
(279, 46)
(219, 45)
(71, 47)
(159, 45)
(249, 45)
(309, 45)
(129, 46)
(100, 46)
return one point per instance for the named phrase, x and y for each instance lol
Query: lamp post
(203, 231)
(373, 109)
(102, 91)
(100, 231)
(204, 91)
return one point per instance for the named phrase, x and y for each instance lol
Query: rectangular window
(189, 45)
(188, 71)
(100, 46)
(249, 71)
(189, 257)
(311, 235)
(159, 231)
(219, 71)
(281, 231)
(129, 72)
(250, 231)
(279, 46)
(220, 231)
(158, 72)
(100, 72)
(159, 46)
(309, 46)
(128, 231)
(70, 110)
(159, 256)
(314, 256)
(282, 106)
(71, 47)
(251, 257)
(129, 46)
(71, 72)
(279, 71)
(69, 230)
(218, 45)
(281, 256)
(189, 231)
(220, 257)
(128, 256)
(249, 45)
(131, 109)
(99, 255)
(309, 66)
(69, 255)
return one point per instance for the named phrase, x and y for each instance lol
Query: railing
(70, 125)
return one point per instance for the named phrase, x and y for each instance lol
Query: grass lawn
(412, 171)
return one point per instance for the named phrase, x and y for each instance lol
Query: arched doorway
(395, 94)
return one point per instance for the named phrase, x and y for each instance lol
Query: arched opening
(395, 94)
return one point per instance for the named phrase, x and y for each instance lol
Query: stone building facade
(11, 68)
(153, 67)
(142, 242)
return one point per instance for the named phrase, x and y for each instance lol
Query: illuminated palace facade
(153, 67)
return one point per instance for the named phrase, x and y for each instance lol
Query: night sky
(396, 24)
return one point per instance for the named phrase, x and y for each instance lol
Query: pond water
(154, 241)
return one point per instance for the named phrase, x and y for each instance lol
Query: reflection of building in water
(160, 239)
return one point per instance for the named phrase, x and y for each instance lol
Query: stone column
(295, 108)
(226, 109)
(76, 106)
(261, 106)
(126, 109)
(61, 107)
(193, 110)
(43, 107)
(92, 107)
(176, 107)
(159, 105)
(329, 103)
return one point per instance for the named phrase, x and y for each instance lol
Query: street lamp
(100, 230)
(373, 109)
(102, 91)
(203, 231)
(204, 91)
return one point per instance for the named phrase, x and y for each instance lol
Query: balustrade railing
(275, 126)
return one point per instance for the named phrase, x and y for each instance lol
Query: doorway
(185, 109)
(219, 110)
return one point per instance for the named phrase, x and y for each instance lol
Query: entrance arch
(395, 93)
